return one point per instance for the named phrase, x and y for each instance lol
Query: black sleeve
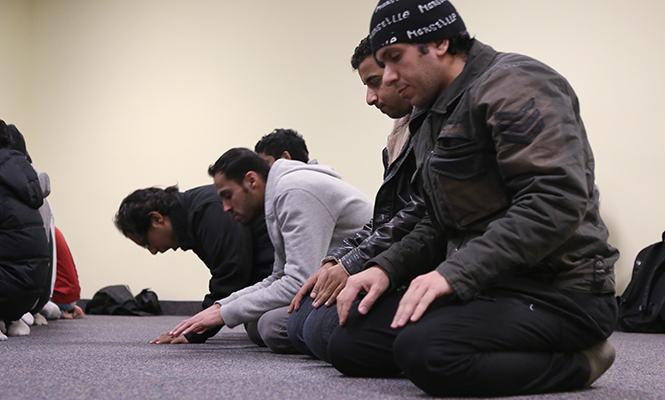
(263, 252)
(352, 242)
(384, 236)
(419, 252)
(225, 246)
(194, 337)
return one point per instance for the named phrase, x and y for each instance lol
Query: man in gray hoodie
(309, 210)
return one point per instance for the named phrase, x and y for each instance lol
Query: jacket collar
(178, 215)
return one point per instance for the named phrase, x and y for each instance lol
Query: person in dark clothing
(24, 251)
(510, 275)
(310, 325)
(18, 143)
(282, 143)
(237, 256)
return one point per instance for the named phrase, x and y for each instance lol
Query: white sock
(28, 319)
(18, 328)
(40, 319)
(2, 337)
(3, 328)
(50, 310)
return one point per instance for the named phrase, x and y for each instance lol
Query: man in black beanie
(510, 278)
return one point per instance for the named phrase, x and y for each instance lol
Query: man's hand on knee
(373, 280)
(422, 291)
(332, 279)
(304, 289)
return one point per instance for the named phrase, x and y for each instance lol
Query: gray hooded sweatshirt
(309, 210)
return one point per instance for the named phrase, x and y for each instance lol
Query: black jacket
(24, 252)
(396, 211)
(237, 256)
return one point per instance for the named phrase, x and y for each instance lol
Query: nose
(389, 75)
(371, 97)
(152, 250)
(227, 206)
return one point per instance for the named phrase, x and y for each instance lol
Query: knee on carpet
(340, 347)
(271, 327)
(295, 326)
(294, 331)
(427, 364)
(354, 355)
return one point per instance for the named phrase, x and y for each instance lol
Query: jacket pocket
(462, 179)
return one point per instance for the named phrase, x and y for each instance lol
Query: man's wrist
(378, 268)
(342, 267)
(330, 259)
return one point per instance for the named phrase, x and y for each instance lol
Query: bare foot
(78, 312)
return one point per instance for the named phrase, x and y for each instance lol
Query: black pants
(521, 337)
(309, 328)
(15, 300)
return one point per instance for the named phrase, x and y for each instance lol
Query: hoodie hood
(18, 176)
(44, 183)
(283, 167)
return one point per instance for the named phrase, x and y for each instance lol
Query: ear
(439, 47)
(251, 179)
(286, 155)
(156, 218)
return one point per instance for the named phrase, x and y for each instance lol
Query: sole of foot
(18, 328)
(40, 320)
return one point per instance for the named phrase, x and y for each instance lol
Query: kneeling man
(308, 209)
(510, 276)
(161, 219)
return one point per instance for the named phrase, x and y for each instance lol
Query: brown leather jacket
(507, 173)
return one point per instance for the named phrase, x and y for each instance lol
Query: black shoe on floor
(600, 356)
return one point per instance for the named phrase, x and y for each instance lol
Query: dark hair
(362, 51)
(17, 141)
(280, 140)
(237, 162)
(133, 217)
(5, 137)
(459, 44)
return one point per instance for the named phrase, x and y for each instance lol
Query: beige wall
(15, 66)
(115, 95)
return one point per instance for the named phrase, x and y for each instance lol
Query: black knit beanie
(413, 21)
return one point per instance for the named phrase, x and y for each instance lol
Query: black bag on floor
(118, 300)
(641, 305)
(148, 302)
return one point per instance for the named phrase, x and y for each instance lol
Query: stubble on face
(159, 238)
(380, 95)
(416, 76)
(238, 199)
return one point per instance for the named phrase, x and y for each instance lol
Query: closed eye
(374, 83)
(393, 56)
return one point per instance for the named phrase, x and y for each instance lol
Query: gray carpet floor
(104, 357)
